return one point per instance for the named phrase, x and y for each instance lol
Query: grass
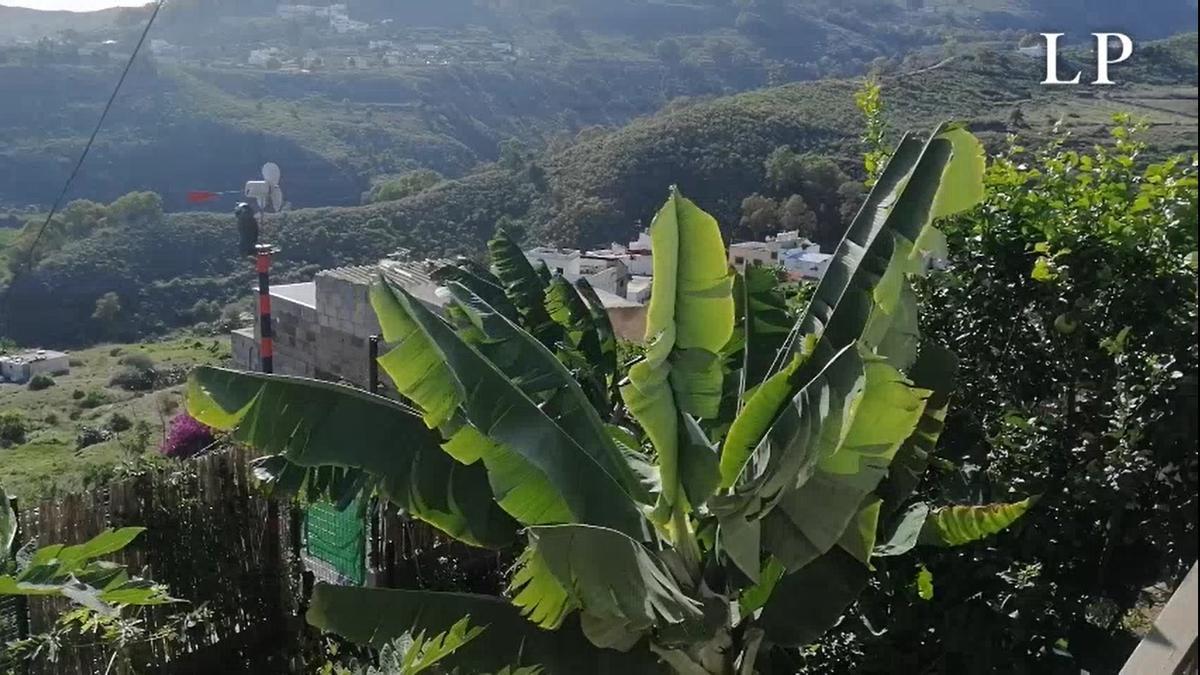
(48, 463)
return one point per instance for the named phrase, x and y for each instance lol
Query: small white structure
(24, 366)
(768, 252)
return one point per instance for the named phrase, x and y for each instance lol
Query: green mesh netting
(337, 538)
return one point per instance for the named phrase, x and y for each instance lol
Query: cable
(95, 132)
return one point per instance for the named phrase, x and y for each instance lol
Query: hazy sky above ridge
(73, 5)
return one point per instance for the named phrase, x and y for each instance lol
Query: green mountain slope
(592, 191)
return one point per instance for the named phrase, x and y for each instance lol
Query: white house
(768, 252)
(25, 366)
(604, 272)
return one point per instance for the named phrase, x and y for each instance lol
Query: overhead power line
(95, 132)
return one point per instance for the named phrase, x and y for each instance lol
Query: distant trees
(818, 181)
(763, 216)
(760, 216)
(108, 308)
(136, 209)
(405, 185)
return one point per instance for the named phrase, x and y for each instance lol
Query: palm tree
(708, 510)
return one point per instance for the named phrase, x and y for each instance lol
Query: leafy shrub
(118, 422)
(93, 399)
(1071, 300)
(75, 363)
(13, 428)
(89, 436)
(51, 419)
(138, 361)
(77, 394)
(40, 382)
(134, 379)
(186, 438)
(115, 351)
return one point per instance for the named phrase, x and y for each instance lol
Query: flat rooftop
(302, 294)
(32, 355)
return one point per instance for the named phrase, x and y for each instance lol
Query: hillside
(433, 85)
(591, 191)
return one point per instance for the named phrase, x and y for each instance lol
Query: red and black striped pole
(267, 347)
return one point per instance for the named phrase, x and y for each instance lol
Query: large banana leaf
(314, 424)
(604, 331)
(377, 616)
(526, 288)
(890, 237)
(616, 582)
(766, 323)
(810, 518)
(540, 473)
(936, 369)
(591, 365)
(542, 377)
(689, 320)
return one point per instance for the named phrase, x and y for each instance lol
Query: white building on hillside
(768, 252)
(24, 366)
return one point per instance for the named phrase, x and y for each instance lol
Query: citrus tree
(706, 510)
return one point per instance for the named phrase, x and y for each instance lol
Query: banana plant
(704, 510)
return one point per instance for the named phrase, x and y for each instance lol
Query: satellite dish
(270, 173)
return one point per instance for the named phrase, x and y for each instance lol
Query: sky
(73, 5)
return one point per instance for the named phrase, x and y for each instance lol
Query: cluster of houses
(322, 328)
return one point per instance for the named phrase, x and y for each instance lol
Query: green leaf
(756, 596)
(604, 331)
(525, 287)
(610, 576)
(72, 558)
(924, 583)
(766, 323)
(958, 525)
(811, 518)
(597, 368)
(536, 467)
(689, 320)
(698, 462)
(890, 237)
(377, 616)
(936, 369)
(306, 422)
(8, 524)
(806, 603)
(753, 421)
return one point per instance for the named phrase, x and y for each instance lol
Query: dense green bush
(40, 382)
(13, 428)
(1071, 300)
(118, 422)
(93, 399)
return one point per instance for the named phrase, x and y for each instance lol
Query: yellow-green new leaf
(958, 525)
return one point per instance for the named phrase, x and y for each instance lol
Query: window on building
(739, 260)
(774, 255)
